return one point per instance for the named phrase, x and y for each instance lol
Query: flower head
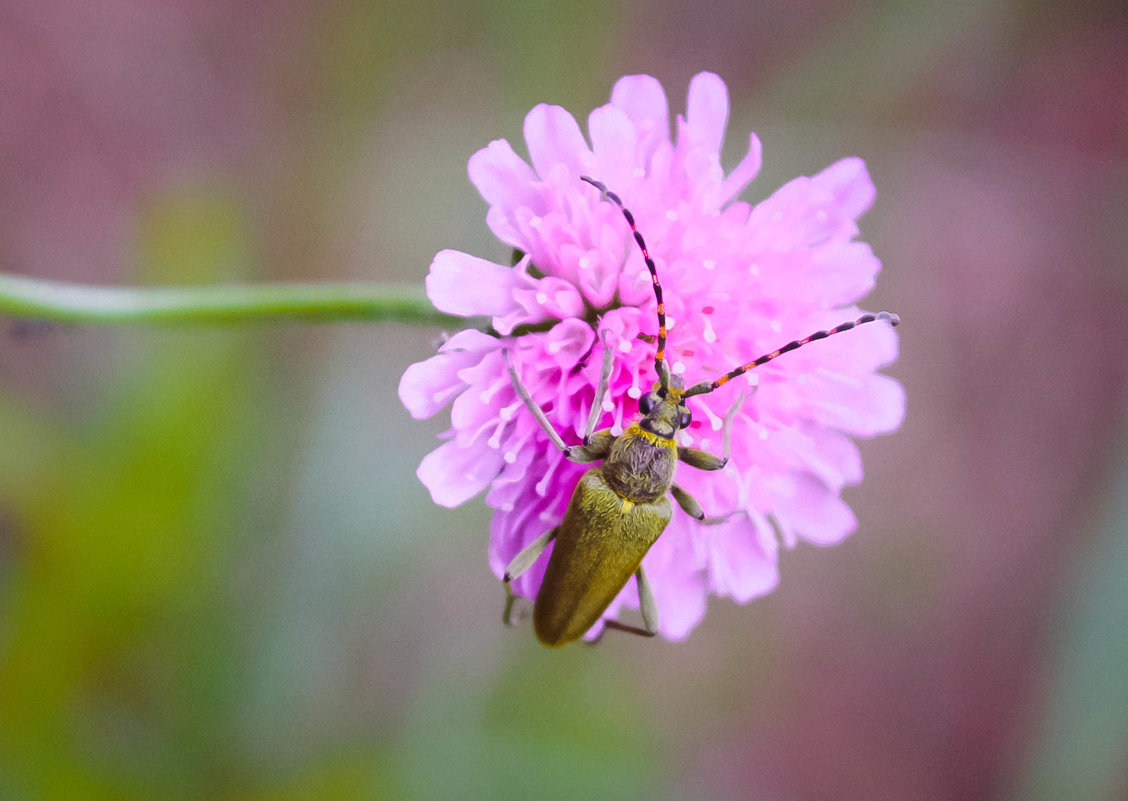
(740, 280)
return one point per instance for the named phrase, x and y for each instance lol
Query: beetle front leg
(595, 447)
(601, 390)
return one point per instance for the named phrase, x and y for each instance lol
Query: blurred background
(219, 576)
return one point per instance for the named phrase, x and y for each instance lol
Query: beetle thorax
(640, 467)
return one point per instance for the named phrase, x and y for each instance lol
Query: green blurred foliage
(118, 670)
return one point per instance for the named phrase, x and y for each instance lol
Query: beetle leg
(596, 446)
(692, 508)
(702, 460)
(615, 625)
(532, 405)
(688, 504)
(601, 390)
(520, 563)
(529, 554)
(729, 415)
(510, 599)
(646, 604)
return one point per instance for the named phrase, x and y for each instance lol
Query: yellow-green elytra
(620, 507)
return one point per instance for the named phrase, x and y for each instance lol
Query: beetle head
(663, 408)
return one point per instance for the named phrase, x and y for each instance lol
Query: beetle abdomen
(597, 549)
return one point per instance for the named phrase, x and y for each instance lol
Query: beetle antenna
(708, 386)
(660, 366)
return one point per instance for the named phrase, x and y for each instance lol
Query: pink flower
(739, 281)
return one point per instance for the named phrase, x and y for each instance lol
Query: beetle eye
(646, 402)
(684, 419)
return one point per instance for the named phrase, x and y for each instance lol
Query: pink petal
(843, 272)
(567, 343)
(872, 405)
(500, 222)
(816, 513)
(743, 559)
(644, 101)
(454, 474)
(428, 386)
(707, 110)
(501, 176)
(745, 172)
(615, 145)
(848, 180)
(554, 138)
(467, 286)
(676, 573)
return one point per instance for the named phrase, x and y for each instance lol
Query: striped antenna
(708, 386)
(660, 366)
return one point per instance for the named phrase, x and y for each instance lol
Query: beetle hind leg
(646, 603)
(646, 606)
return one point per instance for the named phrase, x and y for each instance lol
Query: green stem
(210, 305)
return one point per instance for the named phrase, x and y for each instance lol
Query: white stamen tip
(671, 215)
(753, 379)
(542, 298)
(608, 405)
(678, 368)
(634, 393)
(535, 222)
(709, 264)
(510, 457)
(777, 216)
(639, 172)
(584, 262)
(494, 442)
(776, 326)
(624, 346)
(754, 269)
(763, 433)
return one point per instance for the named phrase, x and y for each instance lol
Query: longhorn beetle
(620, 507)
